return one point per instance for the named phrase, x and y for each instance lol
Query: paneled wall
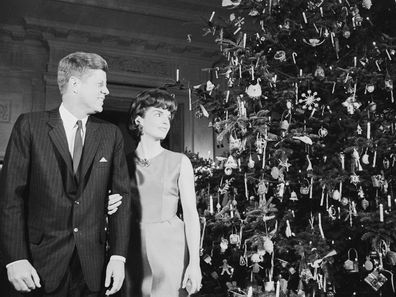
(144, 42)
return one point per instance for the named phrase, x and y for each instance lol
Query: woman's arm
(192, 277)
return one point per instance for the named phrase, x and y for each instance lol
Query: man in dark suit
(58, 169)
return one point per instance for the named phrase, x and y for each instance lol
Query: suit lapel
(58, 137)
(91, 144)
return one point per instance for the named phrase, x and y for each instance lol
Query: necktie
(77, 151)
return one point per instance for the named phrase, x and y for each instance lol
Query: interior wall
(144, 42)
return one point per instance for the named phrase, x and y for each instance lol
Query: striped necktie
(78, 145)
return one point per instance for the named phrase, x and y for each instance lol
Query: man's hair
(149, 98)
(77, 64)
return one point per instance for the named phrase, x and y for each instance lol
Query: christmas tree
(302, 202)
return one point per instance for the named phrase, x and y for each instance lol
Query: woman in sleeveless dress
(169, 245)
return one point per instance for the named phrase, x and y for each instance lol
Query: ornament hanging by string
(342, 159)
(293, 196)
(322, 132)
(319, 73)
(359, 129)
(230, 165)
(356, 159)
(254, 91)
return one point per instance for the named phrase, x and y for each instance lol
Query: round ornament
(336, 195)
(370, 88)
(323, 132)
(280, 56)
(367, 4)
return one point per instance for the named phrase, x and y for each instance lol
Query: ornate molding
(185, 10)
(171, 47)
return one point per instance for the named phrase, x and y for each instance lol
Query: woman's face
(155, 122)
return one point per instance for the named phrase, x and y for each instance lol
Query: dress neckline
(145, 162)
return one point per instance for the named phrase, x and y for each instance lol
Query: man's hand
(114, 203)
(23, 276)
(115, 274)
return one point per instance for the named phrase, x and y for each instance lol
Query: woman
(170, 246)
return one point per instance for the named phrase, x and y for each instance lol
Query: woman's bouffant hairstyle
(77, 64)
(149, 98)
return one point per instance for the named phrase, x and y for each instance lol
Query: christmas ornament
(230, 165)
(268, 245)
(209, 87)
(251, 162)
(351, 104)
(365, 158)
(359, 129)
(336, 195)
(230, 3)
(354, 179)
(368, 264)
(293, 196)
(367, 4)
(223, 245)
(322, 132)
(284, 125)
(304, 189)
(375, 279)
(352, 265)
(254, 91)
(280, 56)
(314, 42)
(255, 258)
(319, 73)
(370, 88)
(309, 100)
(226, 268)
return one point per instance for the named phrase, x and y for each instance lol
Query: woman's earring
(140, 127)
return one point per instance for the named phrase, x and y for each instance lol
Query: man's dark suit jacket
(45, 213)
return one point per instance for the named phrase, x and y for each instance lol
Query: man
(58, 169)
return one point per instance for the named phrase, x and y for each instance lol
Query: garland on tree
(303, 201)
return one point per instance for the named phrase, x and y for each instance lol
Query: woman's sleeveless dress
(164, 247)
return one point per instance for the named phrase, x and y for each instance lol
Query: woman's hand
(114, 203)
(192, 279)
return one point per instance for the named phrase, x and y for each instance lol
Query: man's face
(156, 122)
(92, 91)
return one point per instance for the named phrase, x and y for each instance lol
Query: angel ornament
(256, 266)
(314, 42)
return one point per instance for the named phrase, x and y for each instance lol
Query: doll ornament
(226, 268)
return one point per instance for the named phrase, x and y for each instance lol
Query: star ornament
(351, 104)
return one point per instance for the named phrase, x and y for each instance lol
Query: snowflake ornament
(309, 100)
